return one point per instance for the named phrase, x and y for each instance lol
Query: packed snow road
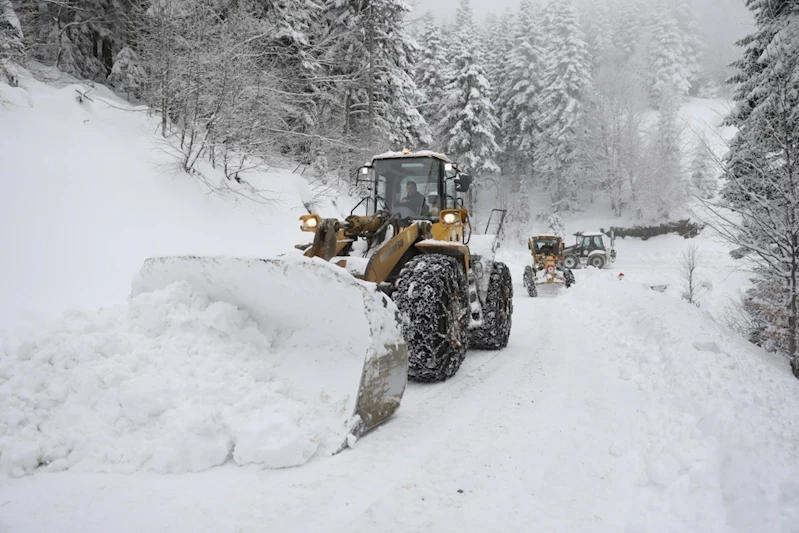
(614, 408)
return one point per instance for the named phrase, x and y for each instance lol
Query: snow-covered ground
(613, 408)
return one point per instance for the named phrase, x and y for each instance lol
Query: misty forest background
(576, 100)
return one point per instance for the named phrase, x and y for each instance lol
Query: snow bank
(231, 363)
(724, 416)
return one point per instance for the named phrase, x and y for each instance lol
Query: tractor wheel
(433, 300)
(568, 277)
(597, 261)
(497, 312)
(529, 281)
(571, 262)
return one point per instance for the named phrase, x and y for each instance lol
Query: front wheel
(497, 311)
(433, 300)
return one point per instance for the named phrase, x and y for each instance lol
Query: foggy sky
(726, 20)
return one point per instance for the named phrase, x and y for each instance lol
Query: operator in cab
(414, 200)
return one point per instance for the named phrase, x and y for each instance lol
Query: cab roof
(591, 234)
(420, 153)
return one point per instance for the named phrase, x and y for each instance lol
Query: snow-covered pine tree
(521, 93)
(691, 36)
(372, 53)
(596, 19)
(11, 47)
(762, 173)
(703, 179)
(667, 66)
(519, 215)
(469, 126)
(662, 187)
(80, 37)
(430, 68)
(629, 18)
(567, 75)
(127, 75)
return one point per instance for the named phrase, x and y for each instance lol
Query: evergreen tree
(11, 47)
(567, 75)
(430, 70)
(762, 173)
(629, 18)
(667, 64)
(521, 93)
(80, 37)
(373, 55)
(469, 127)
(703, 181)
(127, 75)
(691, 36)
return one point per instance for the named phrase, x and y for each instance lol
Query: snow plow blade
(335, 340)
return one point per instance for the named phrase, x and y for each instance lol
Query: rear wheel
(529, 282)
(597, 261)
(497, 311)
(432, 297)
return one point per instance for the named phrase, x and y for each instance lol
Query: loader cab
(416, 186)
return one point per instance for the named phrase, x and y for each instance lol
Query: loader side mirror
(364, 175)
(463, 182)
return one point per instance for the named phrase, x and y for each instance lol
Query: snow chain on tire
(529, 281)
(497, 311)
(568, 277)
(432, 296)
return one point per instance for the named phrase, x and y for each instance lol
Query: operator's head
(410, 187)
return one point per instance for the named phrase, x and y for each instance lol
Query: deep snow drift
(224, 359)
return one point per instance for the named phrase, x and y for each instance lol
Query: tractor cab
(590, 249)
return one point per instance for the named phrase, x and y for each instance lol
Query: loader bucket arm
(336, 341)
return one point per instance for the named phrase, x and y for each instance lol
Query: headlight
(449, 218)
(309, 222)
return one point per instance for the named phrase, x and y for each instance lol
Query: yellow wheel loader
(548, 267)
(415, 240)
(398, 292)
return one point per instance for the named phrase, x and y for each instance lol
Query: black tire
(433, 300)
(529, 281)
(497, 312)
(571, 262)
(597, 261)
(568, 277)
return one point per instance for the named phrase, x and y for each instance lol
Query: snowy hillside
(91, 192)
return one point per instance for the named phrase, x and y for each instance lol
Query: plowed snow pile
(178, 381)
(722, 431)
